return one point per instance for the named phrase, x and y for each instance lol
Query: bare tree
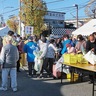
(90, 9)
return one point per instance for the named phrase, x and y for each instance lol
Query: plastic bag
(38, 64)
(38, 61)
(59, 66)
(37, 53)
(90, 57)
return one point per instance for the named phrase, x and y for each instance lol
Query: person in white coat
(43, 48)
(50, 57)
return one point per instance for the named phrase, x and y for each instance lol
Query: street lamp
(64, 18)
(76, 13)
(94, 12)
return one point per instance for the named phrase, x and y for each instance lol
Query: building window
(54, 22)
(61, 22)
(53, 14)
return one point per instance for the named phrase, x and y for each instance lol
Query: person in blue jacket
(29, 48)
(64, 43)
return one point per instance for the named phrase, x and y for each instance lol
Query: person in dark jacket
(91, 45)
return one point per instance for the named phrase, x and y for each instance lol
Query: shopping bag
(38, 64)
(90, 57)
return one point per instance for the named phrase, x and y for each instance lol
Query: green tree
(13, 23)
(32, 14)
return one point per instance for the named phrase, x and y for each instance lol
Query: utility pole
(32, 6)
(76, 14)
(19, 16)
(32, 12)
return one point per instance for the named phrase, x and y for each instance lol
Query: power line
(10, 11)
(54, 1)
(84, 6)
(69, 7)
(72, 8)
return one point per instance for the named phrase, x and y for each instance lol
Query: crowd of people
(52, 49)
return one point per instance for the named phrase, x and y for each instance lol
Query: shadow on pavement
(34, 87)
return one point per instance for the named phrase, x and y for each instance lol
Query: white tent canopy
(4, 31)
(86, 29)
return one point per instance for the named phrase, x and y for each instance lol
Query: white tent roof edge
(86, 29)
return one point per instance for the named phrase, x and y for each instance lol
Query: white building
(54, 19)
(80, 21)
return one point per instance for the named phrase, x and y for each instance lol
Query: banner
(28, 30)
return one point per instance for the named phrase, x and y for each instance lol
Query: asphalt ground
(47, 87)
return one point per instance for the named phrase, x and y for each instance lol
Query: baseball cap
(30, 38)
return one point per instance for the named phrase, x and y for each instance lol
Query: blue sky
(8, 5)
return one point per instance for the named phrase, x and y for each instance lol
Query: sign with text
(28, 30)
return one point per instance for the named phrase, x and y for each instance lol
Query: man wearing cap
(29, 48)
(9, 57)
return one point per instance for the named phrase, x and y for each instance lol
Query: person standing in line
(43, 48)
(20, 49)
(29, 48)
(9, 57)
(10, 34)
(50, 57)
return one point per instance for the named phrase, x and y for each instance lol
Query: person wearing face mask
(91, 45)
(70, 49)
(80, 45)
(64, 43)
(18, 38)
